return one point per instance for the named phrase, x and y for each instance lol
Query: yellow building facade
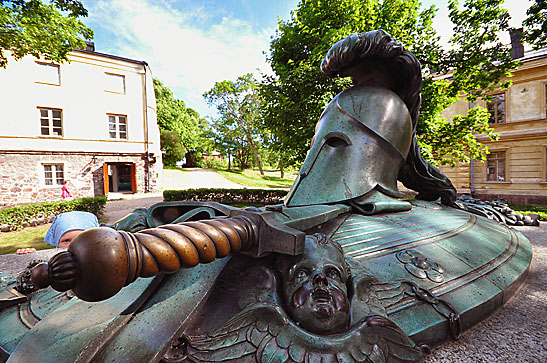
(516, 166)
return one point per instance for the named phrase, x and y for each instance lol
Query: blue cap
(69, 221)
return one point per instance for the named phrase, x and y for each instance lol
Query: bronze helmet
(360, 143)
(375, 60)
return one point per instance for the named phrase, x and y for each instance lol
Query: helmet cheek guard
(361, 142)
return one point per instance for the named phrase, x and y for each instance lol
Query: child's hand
(22, 251)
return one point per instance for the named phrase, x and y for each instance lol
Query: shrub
(34, 214)
(227, 196)
(212, 163)
(530, 209)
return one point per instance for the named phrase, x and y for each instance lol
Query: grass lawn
(252, 178)
(28, 237)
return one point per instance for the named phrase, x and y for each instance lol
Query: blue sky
(191, 44)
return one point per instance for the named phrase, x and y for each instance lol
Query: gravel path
(13, 263)
(195, 178)
(518, 331)
(117, 209)
(172, 180)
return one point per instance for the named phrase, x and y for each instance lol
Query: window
(54, 174)
(495, 169)
(496, 107)
(51, 122)
(48, 73)
(117, 126)
(115, 83)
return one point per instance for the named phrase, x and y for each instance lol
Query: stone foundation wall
(539, 200)
(22, 176)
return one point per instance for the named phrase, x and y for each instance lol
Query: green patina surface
(481, 262)
(481, 259)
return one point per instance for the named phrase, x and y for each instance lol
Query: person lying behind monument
(66, 226)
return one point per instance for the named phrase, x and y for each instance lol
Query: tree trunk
(252, 145)
(280, 165)
(229, 161)
(190, 160)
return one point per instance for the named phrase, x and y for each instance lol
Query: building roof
(533, 55)
(110, 56)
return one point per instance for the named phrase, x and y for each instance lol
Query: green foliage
(530, 209)
(296, 96)
(536, 24)
(32, 27)
(477, 61)
(34, 214)
(243, 159)
(448, 141)
(476, 49)
(212, 163)
(174, 149)
(174, 116)
(225, 140)
(238, 123)
(227, 196)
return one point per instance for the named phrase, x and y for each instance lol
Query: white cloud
(181, 52)
(443, 25)
(189, 57)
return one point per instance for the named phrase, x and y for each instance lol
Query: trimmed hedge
(227, 196)
(15, 218)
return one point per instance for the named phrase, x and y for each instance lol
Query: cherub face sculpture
(315, 290)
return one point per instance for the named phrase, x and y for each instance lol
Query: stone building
(91, 121)
(516, 166)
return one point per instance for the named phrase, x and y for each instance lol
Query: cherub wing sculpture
(263, 332)
(371, 295)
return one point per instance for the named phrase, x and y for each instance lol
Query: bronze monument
(344, 271)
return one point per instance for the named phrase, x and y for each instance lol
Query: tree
(536, 24)
(296, 96)
(238, 104)
(174, 149)
(173, 115)
(225, 139)
(32, 27)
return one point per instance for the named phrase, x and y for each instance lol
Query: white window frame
(495, 103)
(543, 179)
(497, 166)
(51, 121)
(545, 98)
(44, 69)
(110, 79)
(115, 129)
(56, 173)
